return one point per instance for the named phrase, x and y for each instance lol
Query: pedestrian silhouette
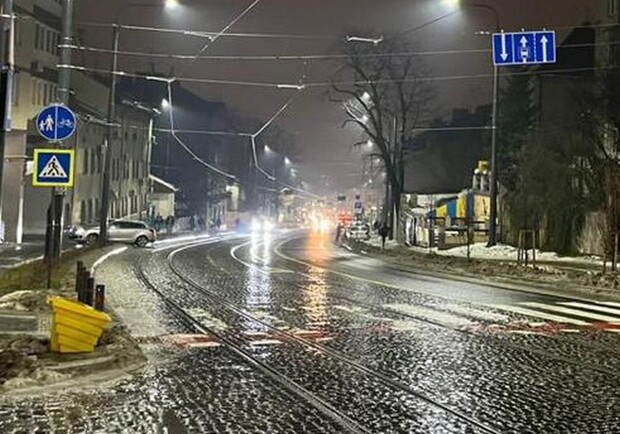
(49, 123)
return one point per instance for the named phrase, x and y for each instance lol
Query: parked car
(358, 231)
(124, 231)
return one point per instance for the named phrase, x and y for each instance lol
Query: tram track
(325, 351)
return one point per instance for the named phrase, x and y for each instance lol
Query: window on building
(612, 7)
(83, 212)
(49, 41)
(37, 36)
(90, 210)
(33, 92)
(85, 167)
(93, 162)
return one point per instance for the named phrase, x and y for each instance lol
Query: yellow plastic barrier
(76, 327)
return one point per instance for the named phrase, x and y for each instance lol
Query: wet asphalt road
(346, 344)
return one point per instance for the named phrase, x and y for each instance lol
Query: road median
(26, 362)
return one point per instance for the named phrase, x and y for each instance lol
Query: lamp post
(492, 240)
(107, 145)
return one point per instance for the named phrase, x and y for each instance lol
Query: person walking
(339, 229)
(159, 222)
(169, 224)
(384, 231)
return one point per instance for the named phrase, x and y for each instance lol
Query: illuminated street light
(164, 103)
(171, 4)
(453, 3)
(369, 144)
(287, 161)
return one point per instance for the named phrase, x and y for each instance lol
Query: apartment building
(24, 208)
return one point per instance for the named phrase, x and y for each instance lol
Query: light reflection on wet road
(395, 358)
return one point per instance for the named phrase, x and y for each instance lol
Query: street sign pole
(492, 241)
(6, 83)
(107, 146)
(53, 233)
(513, 49)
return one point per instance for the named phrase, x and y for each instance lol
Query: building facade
(24, 208)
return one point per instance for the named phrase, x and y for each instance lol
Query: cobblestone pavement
(388, 358)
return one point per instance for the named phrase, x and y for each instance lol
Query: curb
(95, 380)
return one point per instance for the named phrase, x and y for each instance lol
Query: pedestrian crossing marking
(53, 169)
(594, 307)
(539, 314)
(609, 303)
(575, 312)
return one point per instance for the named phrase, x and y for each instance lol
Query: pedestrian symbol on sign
(47, 124)
(53, 169)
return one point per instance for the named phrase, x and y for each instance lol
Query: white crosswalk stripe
(594, 307)
(539, 314)
(602, 315)
(574, 312)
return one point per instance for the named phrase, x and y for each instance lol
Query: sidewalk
(26, 363)
(12, 255)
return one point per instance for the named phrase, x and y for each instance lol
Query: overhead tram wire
(171, 105)
(207, 34)
(342, 83)
(311, 57)
(187, 148)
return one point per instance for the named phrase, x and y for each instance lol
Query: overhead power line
(311, 57)
(341, 83)
(207, 34)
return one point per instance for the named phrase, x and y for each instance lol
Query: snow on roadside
(509, 253)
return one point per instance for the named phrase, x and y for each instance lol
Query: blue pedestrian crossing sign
(524, 48)
(53, 168)
(56, 122)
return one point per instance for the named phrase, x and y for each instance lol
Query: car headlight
(268, 226)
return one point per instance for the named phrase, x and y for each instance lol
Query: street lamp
(493, 193)
(287, 161)
(165, 103)
(171, 4)
(107, 152)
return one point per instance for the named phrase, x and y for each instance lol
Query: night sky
(315, 122)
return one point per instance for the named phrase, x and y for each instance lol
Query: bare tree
(383, 90)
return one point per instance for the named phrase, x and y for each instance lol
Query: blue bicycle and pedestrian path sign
(524, 48)
(56, 122)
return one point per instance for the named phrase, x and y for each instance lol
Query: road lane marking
(426, 313)
(538, 314)
(574, 312)
(593, 307)
(609, 303)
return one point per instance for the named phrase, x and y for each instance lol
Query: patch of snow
(507, 252)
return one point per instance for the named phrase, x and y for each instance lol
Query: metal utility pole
(6, 83)
(107, 148)
(493, 191)
(53, 234)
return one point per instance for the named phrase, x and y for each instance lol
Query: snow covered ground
(501, 252)
(509, 253)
